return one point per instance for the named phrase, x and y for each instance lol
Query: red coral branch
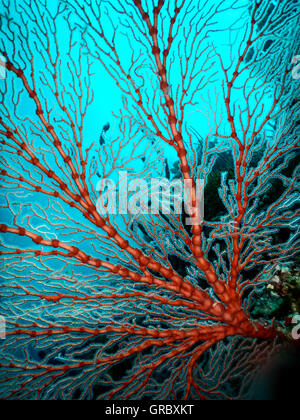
(165, 305)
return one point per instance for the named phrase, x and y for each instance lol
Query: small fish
(104, 131)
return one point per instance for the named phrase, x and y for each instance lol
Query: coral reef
(107, 291)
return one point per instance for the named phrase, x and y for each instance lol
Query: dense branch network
(103, 287)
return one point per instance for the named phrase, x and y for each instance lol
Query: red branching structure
(94, 305)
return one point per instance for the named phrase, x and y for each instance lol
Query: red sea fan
(107, 290)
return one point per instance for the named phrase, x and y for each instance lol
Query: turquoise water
(77, 324)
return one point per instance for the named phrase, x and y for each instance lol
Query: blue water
(54, 292)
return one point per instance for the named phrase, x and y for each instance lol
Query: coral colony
(131, 264)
